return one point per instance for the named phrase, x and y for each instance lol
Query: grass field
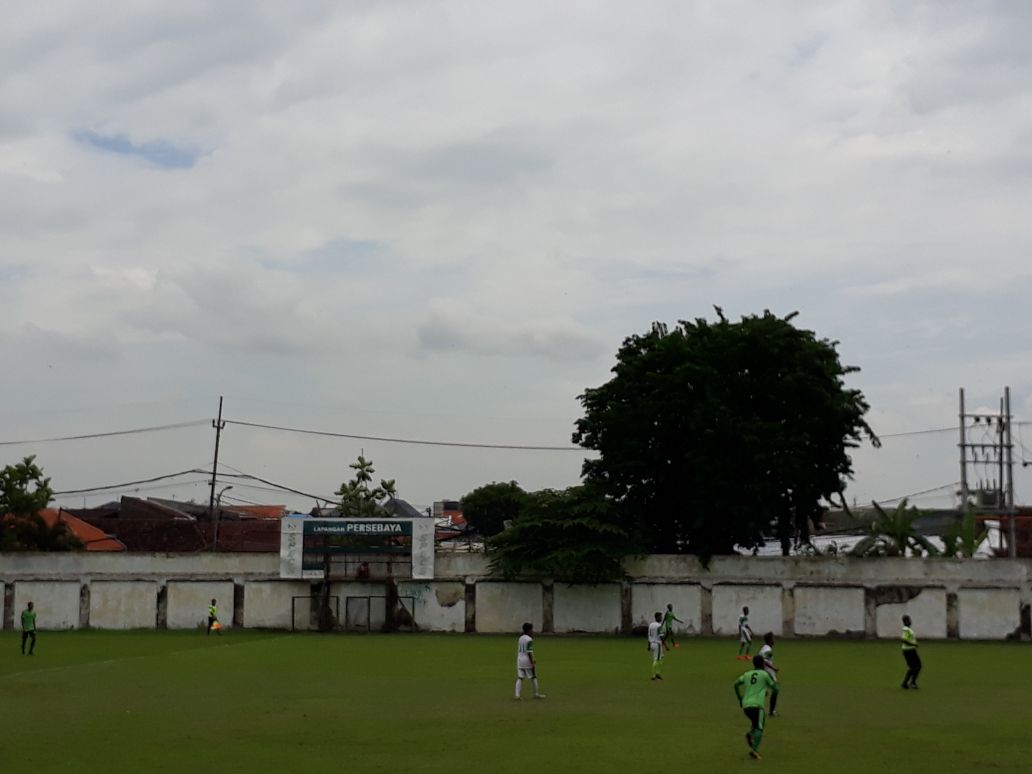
(256, 702)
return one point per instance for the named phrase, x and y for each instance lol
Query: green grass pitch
(256, 702)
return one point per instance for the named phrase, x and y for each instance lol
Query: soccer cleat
(677, 645)
(539, 695)
(775, 715)
(905, 687)
(659, 677)
(914, 686)
(755, 755)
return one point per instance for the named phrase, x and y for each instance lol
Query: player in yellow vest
(213, 618)
(910, 655)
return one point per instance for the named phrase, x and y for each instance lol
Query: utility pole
(999, 451)
(964, 494)
(218, 424)
(1009, 449)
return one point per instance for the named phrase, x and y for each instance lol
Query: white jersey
(744, 632)
(524, 652)
(767, 653)
(655, 629)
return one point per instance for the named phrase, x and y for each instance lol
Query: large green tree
(488, 507)
(723, 434)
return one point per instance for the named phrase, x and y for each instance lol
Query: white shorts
(521, 673)
(656, 648)
(772, 673)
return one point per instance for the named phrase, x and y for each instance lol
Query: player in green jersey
(751, 690)
(668, 627)
(28, 625)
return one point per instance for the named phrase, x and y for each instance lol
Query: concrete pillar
(471, 606)
(8, 592)
(952, 616)
(548, 606)
(788, 610)
(238, 605)
(626, 611)
(84, 606)
(706, 610)
(870, 613)
(161, 620)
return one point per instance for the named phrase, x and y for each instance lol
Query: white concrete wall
(764, 604)
(504, 607)
(927, 611)
(988, 614)
(267, 604)
(84, 565)
(123, 604)
(649, 598)
(439, 607)
(188, 603)
(57, 604)
(824, 610)
(585, 608)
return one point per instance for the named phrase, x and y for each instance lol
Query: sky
(438, 221)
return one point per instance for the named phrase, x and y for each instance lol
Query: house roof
(92, 538)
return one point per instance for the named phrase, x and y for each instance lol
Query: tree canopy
(571, 535)
(488, 507)
(359, 499)
(716, 435)
(24, 492)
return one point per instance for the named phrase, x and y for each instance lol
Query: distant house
(92, 538)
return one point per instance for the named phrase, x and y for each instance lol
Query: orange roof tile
(92, 538)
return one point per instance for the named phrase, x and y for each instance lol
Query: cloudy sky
(438, 220)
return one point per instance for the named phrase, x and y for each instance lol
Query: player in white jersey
(744, 636)
(526, 664)
(767, 653)
(656, 646)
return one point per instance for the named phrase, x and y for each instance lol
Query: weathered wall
(439, 607)
(823, 610)
(267, 604)
(795, 596)
(927, 609)
(123, 604)
(649, 598)
(188, 603)
(988, 614)
(586, 608)
(56, 604)
(504, 607)
(764, 604)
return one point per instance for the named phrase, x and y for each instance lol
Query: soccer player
(526, 664)
(28, 625)
(910, 655)
(213, 618)
(668, 627)
(656, 646)
(744, 635)
(751, 689)
(767, 654)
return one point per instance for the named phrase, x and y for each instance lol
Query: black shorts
(756, 715)
(913, 660)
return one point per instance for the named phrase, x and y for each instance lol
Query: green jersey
(668, 620)
(756, 682)
(28, 620)
(212, 612)
(909, 639)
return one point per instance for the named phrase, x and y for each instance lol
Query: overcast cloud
(438, 220)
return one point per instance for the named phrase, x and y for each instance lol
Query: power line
(127, 484)
(922, 492)
(455, 444)
(150, 488)
(112, 433)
